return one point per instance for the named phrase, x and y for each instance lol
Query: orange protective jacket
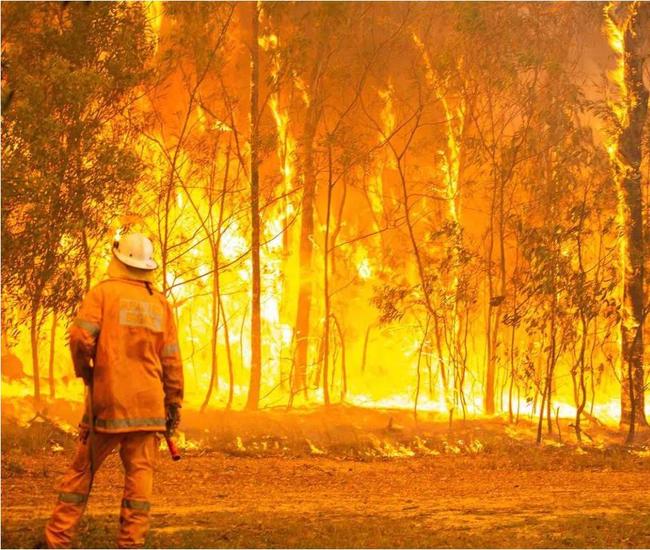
(125, 332)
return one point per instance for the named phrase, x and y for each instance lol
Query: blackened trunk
(256, 325)
(299, 382)
(326, 296)
(628, 164)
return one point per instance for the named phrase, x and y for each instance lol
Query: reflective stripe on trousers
(137, 451)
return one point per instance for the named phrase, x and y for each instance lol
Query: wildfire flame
(381, 358)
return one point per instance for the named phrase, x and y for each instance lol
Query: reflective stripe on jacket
(126, 332)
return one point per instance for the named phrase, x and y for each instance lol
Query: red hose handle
(173, 449)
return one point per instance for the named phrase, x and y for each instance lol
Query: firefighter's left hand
(86, 374)
(173, 417)
(83, 435)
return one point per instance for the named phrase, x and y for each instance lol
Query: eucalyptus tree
(629, 120)
(73, 71)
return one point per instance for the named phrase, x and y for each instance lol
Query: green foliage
(67, 160)
(566, 276)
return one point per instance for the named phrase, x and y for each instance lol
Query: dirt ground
(468, 488)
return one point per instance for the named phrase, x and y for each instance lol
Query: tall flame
(615, 34)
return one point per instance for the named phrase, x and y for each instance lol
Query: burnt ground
(481, 484)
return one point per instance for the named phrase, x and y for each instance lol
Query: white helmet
(135, 250)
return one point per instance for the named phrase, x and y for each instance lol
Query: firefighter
(124, 346)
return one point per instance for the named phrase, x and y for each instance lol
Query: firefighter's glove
(86, 375)
(173, 417)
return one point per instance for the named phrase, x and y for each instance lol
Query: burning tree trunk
(631, 115)
(256, 334)
(326, 295)
(629, 180)
(306, 250)
(299, 381)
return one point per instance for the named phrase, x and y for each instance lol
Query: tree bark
(299, 382)
(628, 175)
(51, 362)
(326, 296)
(256, 325)
(496, 300)
(35, 368)
(215, 313)
(489, 356)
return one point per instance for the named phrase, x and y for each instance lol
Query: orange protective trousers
(137, 451)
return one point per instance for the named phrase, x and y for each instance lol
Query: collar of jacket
(118, 270)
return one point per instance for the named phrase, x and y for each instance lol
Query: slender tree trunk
(326, 296)
(550, 367)
(215, 328)
(34, 341)
(312, 119)
(494, 302)
(463, 398)
(595, 333)
(513, 333)
(337, 228)
(364, 354)
(51, 362)
(231, 371)
(256, 324)
(418, 375)
(86, 251)
(441, 360)
(299, 382)
(553, 355)
(581, 388)
(344, 368)
(512, 366)
(628, 176)
(241, 338)
(215, 313)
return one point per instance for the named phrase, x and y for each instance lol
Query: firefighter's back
(128, 387)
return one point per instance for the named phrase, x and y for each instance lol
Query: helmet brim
(146, 265)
